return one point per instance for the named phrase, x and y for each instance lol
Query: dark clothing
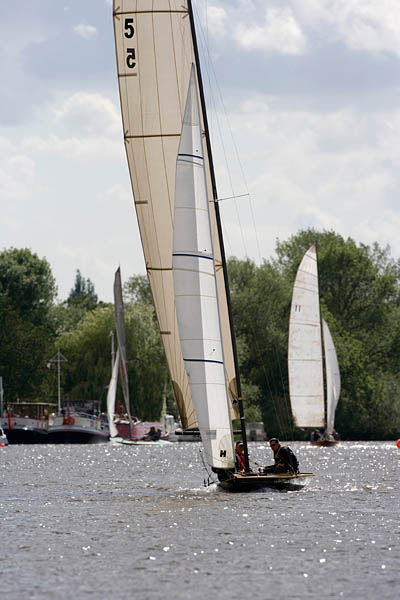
(315, 436)
(283, 461)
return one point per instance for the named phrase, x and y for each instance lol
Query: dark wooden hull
(325, 443)
(240, 482)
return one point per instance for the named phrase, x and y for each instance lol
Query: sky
(304, 110)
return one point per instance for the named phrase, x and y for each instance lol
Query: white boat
(307, 331)
(27, 422)
(163, 111)
(79, 422)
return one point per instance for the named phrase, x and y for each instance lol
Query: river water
(119, 522)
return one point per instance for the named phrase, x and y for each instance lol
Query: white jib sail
(196, 294)
(332, 377)
(111, 394)
(306, 384)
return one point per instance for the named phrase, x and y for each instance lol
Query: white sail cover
(306, 384)
(154, 50)
(196, 292)
(111, 394)
(121, 337)
(332, 377)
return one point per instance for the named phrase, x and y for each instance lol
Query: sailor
(285, 459)
(151, 435)
(239, 456)
(315, 435)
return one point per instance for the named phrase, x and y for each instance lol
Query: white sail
(332, 378)
(111, 394)
(196, 292)
(121, 337)
(155, 52)
(306, 384)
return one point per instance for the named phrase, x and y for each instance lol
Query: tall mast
(221, 241)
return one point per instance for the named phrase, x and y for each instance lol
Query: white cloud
(89, 114)
(216, 20)
(337, 170)
(17, 175)
(361, 24)
(85, 31)
(280, 33)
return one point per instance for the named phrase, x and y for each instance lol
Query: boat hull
(65, 434)
(240, 482)
(325, 443)
(26, 435)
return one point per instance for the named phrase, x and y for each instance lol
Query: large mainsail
(306, 384)
(111, 395)
(121, 337)
(155, 52)
(332, 377)
(196, 292)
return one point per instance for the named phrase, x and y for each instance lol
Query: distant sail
(155, 52)
(306, 384)
(111, 394)
(121, 337)
(196, 292)
(332, 377)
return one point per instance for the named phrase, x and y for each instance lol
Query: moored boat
(27, 422)
(81, 422)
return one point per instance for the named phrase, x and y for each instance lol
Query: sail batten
(306, 384)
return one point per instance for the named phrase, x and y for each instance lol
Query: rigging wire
(211, 75)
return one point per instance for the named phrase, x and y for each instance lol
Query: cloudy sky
(305, 118)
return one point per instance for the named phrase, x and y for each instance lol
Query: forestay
(332, 377)
(154, 56)
(196, 294)
(111, 395)
(306, 384)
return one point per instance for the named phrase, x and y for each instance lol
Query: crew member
(285, 459)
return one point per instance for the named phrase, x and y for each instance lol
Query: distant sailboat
(305, 359)
(173, 181)
(121, 337)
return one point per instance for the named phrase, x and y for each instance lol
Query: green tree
(27, 290)
(83, 293)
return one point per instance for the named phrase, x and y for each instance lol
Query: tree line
(360, 300)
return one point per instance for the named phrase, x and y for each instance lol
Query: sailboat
(305, 356)
(176, 201)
